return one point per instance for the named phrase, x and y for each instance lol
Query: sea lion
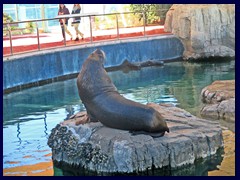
(104, 103)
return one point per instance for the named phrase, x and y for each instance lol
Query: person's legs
(63, 32)
(77, 31)
(67, 31)
(81, 34)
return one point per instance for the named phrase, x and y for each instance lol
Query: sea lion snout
(99, 55)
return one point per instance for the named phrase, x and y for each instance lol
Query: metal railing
(88, 15)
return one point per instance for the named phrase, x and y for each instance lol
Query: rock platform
(219, 100)
(100, 149)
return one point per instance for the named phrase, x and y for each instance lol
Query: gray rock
(206, 30)
(222, 110)
(106, 150)
(219, 99)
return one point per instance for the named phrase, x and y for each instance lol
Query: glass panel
(51, 11)
(8, 6)
(30, 5)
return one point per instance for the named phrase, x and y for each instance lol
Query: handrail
(90, 15)
(79, 15)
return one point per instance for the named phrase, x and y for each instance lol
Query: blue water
(29, 115)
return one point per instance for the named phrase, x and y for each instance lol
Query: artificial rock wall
(205, 30)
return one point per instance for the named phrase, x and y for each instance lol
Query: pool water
(29, 115)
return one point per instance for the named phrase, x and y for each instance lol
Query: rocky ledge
(206, 30)
(97, 148)
(219, 99)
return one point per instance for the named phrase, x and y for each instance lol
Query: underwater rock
(127, 66)
(97, 148)
(219, 99)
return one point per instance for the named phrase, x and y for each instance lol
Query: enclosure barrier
(8, 25)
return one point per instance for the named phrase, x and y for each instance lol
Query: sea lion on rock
(104, 103)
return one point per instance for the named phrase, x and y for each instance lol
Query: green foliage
(30, 26)
(153, 12)
(124, 20)
(7, 18)
(109, 22)
(131, 20)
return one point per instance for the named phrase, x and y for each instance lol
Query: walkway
(28, 42)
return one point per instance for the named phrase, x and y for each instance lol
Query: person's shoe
(77, 39)
(82, 35)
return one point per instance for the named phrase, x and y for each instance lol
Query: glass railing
(27, 36)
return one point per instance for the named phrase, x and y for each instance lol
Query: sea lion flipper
(154, 135)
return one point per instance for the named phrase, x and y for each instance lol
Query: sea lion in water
(104, 103)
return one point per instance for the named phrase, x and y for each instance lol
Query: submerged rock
(127, 66)
(97, 148)
(219, 99)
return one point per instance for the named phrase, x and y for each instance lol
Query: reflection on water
(29, 115)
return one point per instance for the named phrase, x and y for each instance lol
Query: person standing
(63, 10)
(76, 21)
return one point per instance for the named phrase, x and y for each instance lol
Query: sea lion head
(98, 55)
